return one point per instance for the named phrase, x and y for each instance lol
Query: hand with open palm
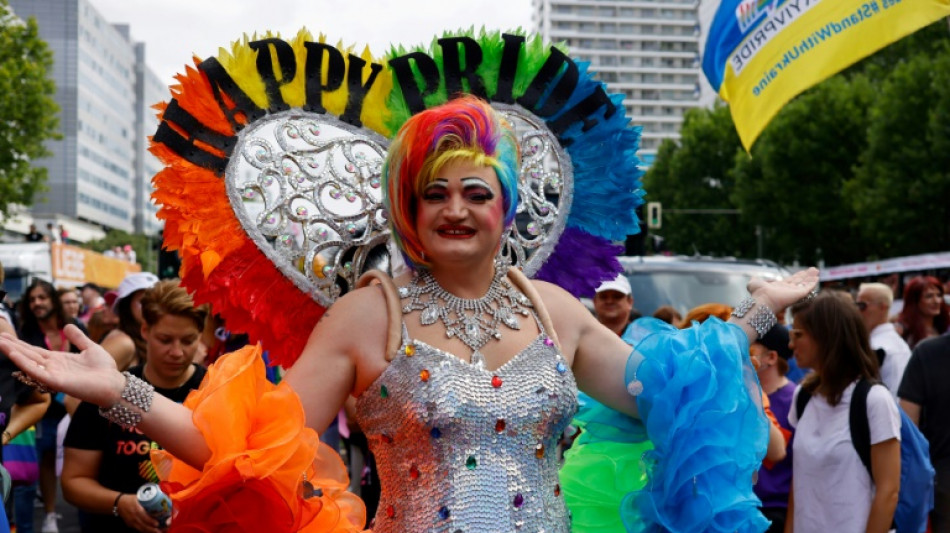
(90, 375)
(785, 292)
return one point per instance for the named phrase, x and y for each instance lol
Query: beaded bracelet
(139, 394)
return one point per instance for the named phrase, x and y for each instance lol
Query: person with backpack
(832, 490)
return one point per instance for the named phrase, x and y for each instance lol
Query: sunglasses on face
(861, 305)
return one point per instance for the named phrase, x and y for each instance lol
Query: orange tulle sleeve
(262, 453)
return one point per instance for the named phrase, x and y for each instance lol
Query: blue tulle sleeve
(688, 463)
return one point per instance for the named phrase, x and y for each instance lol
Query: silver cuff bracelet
(761, 320)
(138, 394)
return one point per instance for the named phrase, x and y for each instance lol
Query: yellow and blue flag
(762, 53)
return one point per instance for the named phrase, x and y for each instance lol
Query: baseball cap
(620, 284)
(135, 282)
(777, 339)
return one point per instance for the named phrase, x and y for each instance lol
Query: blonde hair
(881, 292)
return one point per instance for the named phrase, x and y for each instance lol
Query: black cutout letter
(336, 69)
(265, 67)
(411, 92)
(508, 68)
(540, 86)
(452, 66)
(357, 91)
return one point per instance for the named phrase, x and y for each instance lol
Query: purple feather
(580, 262)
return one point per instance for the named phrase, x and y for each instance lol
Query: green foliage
(791, 186)
(695, 174)
(146, 251)
(856, 168)
(27, 108)
(901, 191)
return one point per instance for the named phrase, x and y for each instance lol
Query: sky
(174, 30)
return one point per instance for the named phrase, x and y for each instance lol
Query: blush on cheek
(497, 214)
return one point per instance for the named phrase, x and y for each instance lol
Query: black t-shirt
(12, 391)
(926, 382)
(125, 464)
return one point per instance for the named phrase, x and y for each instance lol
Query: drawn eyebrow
(438, 182)
(473, 182)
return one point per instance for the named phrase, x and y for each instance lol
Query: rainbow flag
(762, 53)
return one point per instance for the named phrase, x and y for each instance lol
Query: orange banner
(75, 266)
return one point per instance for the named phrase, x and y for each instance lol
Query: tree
(791, 185)
(695, 173)
(28, 113)
(901, 190)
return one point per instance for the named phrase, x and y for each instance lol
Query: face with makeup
(460, 215)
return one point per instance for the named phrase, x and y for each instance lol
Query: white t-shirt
(897, 354)
(833, 490)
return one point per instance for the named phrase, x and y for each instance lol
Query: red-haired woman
(926, 313)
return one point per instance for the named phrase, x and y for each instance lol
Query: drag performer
(465, 372)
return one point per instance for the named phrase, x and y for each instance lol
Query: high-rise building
(100, 170)
(646, 49)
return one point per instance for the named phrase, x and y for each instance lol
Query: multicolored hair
(464, 129)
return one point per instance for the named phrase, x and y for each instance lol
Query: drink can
(155, 502)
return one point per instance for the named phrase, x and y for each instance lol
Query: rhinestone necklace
(474, 322)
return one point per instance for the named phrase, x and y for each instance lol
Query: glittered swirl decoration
(544, 192)
(273, 147)
(306, 188)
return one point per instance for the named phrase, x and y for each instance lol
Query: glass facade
(101, 169)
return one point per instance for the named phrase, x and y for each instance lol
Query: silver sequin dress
(460, 448)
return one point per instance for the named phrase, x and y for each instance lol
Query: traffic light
(654, 215)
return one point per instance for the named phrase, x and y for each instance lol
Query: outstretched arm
(91, 375)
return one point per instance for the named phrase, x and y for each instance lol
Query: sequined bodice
(463, 449)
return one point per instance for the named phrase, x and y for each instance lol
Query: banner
(762, 53)
(74, 266)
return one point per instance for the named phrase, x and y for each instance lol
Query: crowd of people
(839, 338)
(151, 328)
(465, 406)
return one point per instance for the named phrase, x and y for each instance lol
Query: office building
(646, 49)
(100, 171)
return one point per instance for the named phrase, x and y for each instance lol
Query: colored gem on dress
(413, 472)
(548, 341)
(518, 501)
(444, 513)
(271, 219)
(436, 433)
(557, 489)
(496, 382)
(534, 228)
(410, 350)
(301, 211)
(471, 463)
(250, 193)
(335, 194)
(424, 375)
(539, 450)
(350, 196)
(383, 392)
(390, 511)
(350, 168)
(500, 425)
(561, 367)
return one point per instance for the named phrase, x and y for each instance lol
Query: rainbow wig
(464, 129)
